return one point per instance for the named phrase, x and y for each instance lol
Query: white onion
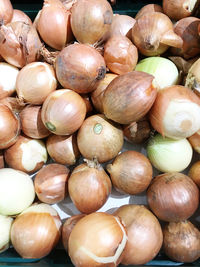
(5, 226)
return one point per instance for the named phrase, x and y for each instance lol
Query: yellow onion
(19, 15)
(6, 11)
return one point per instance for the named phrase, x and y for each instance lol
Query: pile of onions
(194, 173)
(99, 138)
(39, 228)
(51, 183)
(144, 234)
(98, 239)
(173, 197)
(6, 11)
(5, 226)
(16, 191)
(131, 172)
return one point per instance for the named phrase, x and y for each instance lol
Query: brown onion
(97, 94)
(97, 240)
(63, 149)
(195, 141)
(144, 234)
(181, 241)
(31, 122)
(36, 231)
(147, 9)
(26, 154)
(129, 97)
(89, 187)
(53, 24)
(19, 15)
(80, 67)
(51, 183)
(9, 127)
(153, 34)
(194, 173)
(99, 138)
(187, 29)
(6, 11)
(175, 112)
(63, 112)
(173, 197)
(120, 54)
(91, 20)
(131, 172)
(19, 43)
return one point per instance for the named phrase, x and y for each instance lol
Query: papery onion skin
(120, 54)
(51, 183)
(19, 15)
(91, 20)
(194, 173)
(5, 226)
(195, 141)
(173, 197)
(147, 9)
(129, 97)
(27, 154)
(63, 149)
(63, 112)
(39, 228)
(98, 239)
(131, 172)
(144, 234)
(80, 67)
(181, 241)
(6, 11)
(99, 138)
(89, 187)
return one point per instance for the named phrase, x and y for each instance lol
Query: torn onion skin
(194, 173)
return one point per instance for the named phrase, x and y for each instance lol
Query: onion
(173, 197)
(68, 227)
(35, 82)
(51, 183)
(5, 226)
(175, 112)
(63, 112)
(120, 45)
(63, 149)
(169, 155)
(195, 141)
(97, 94)
(9, 127)
(193, 77)
(36, 231)
(144, 234)
(80, 67)
(8, 76)
(6, 12)
(131, 172)
(89, 187)
(194, 173)
(16, 191)
(158, 67)
(99, 138)
(153, 33)
(181, 241)
(98, 239)
(19, 43)
(129, 97)
(1, 160)
(91, 20)
(19, 15)
(187, 29)
(57, 33)
(27, 154)
(149, 8)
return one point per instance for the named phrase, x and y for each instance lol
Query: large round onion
(97, 240)
(173, 197)
(80, 67)
(144, 234)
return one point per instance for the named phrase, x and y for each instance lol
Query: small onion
(89, 187)
(16, 191)
(63, 112)
(194, 173)
(195, 141)
(35, 82)
(120, 45)
(144, 234)
(173, 197)
(97, 240)
(27, 154)
(131, 172)
(51, 183)
(99, 138)
(6, 11)
(181, 241)
(19, 15)
(36, 231)
(5, 226)
(147, 9)
(169, 155)
(80, 67)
